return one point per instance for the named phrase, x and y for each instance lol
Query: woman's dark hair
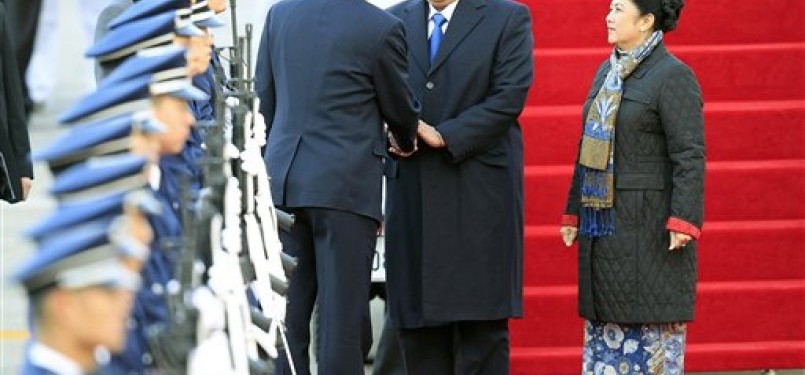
(666, 12)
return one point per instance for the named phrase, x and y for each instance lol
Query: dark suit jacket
(329, 72)
(631, 277)
(15, 147)
(454, 229)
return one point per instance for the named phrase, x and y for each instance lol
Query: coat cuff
(570, 220)
(678, 225)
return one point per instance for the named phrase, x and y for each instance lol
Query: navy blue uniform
(150, 305)
(188, 162)
(204, 110)
(174, 169)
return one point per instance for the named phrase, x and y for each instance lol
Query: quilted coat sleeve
(571, 216)
(680, 109)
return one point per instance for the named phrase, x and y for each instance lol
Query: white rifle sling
(234, 293)
(211, 356)
(267, 217)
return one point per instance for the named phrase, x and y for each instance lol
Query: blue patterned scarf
(597, 155)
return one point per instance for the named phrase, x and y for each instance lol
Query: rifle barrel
(285, 220)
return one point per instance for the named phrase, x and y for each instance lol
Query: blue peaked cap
(147, 8)
(204, 16)
(98, 138)
(133, 94)
(100, 176)
(77, 259)
(140, 34)
(100, 210)
(147, 61)
(126, 97)
(66, 245)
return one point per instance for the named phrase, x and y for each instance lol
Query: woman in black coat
(636, 199)
(16, 170)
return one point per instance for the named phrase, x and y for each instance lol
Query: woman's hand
(679, 240)
(27, 183)
(569, 234)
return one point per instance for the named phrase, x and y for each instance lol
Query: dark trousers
(23, 19)
(335, 250)
(459, 348)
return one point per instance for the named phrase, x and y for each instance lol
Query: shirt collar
(155, 177)
(53, 361)
(447, 12)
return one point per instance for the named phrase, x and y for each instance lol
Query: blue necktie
(437, 35)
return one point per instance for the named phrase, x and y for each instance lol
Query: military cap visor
(126, 97)
(98, 138)
(102, 209)
(204, 16)
(144, 9)
(100, 177)
(141, 34)
(133, 94)
(147, 61)
(78, 259)
(175, 82)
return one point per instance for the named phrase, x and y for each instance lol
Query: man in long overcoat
(454, 234)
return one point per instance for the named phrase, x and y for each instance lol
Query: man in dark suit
(23, 18)
(454, 227)
(16, 170)
(329, 73)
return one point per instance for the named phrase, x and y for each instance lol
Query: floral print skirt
(634, 349)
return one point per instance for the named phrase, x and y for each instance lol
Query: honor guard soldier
(122, 134)
(106, 63)
(124, 214)
(158, 75)
(204, 17)
(185, 165)
(126, 133)
(111, 192)
(175, 166)
(80, 295)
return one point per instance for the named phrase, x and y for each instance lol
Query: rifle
(170, 343)
(270, 282)
(244, 248)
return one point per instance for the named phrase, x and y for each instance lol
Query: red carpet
(749, 56)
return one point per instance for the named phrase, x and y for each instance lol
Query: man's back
(328, 75)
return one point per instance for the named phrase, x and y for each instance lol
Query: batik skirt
(634, 349)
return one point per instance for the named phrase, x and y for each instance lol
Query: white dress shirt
(155, 177)
(447, 12)
(53, 361)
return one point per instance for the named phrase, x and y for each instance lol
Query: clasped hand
(425, 132)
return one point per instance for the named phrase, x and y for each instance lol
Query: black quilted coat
(631, 277)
